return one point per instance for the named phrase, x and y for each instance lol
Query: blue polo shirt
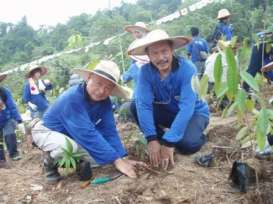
(223, 29)
(90, 124)
(10, 111)
(195, 47)
(174, 93)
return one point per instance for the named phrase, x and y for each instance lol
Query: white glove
(32, 106)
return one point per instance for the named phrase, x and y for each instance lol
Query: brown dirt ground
(186, 183)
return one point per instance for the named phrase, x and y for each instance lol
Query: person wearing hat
(83, 114)
(223, 28)
(138, 31)
(198, 50)
(261, 56)
(168, 109)
(9, 117)
(34, 90)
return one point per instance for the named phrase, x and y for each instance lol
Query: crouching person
(83, 114)
(168, 110)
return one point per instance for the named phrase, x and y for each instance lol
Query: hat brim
(132, 28)
(221, 17)
(140, 49)
(44, 71)
(140, 58)
(3, 77)
(118, 90)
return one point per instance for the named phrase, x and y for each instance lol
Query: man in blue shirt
(83, 115)
(262, 54)
(9, 117)
(169, 111)
(138, 31)
(223, 28)
(198, 51)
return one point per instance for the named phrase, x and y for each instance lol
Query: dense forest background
(20, 43)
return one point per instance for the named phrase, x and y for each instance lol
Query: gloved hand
(32, 106)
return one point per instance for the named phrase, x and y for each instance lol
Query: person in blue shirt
(34, 90)
(198, 50)
(168, 109)
(9, 117)
(223, 29)
(261, 56)
(138, 30)
(83, 115)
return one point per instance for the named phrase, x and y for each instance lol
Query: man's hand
(166, 156)
(126, 167)
(154, 152)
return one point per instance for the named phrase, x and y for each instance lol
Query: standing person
(168, 109)
(83, 115)
(34, 91)
(138, 30)
(9, 117)
(198, 50)
(223, 28)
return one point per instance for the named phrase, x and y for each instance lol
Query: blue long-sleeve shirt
(195, 47)
(39, 99)
(174, 92)
(90, 124)
(132, 74)
(10, 111)
(259, 59)
(222, 29)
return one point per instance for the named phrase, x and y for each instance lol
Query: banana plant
(70, 158)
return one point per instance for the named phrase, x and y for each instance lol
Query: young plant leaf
(232, 74)
(250, 80)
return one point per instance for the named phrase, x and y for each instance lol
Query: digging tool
(105, 179)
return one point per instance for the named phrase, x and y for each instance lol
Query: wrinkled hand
(154, 153)
(167, 154)
(126, 167)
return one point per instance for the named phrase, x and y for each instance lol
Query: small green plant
(70, 158)
(141, 147)
(254, 117)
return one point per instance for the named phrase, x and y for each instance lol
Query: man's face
(99, 88)
(161, 55)
(137, 34)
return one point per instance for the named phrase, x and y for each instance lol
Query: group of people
(165, 105)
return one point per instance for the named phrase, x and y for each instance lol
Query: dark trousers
(7, 133)
(193, 138)
(2, 153)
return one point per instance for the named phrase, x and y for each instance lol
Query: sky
(51, 12)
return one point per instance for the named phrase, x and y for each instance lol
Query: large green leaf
(232, 74)
(204, 86)
(218, 72)
(222, 90)
(250, 80)
(240, 100)
(69, 146)
(261, 128)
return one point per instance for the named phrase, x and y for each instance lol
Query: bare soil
(186, 183)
